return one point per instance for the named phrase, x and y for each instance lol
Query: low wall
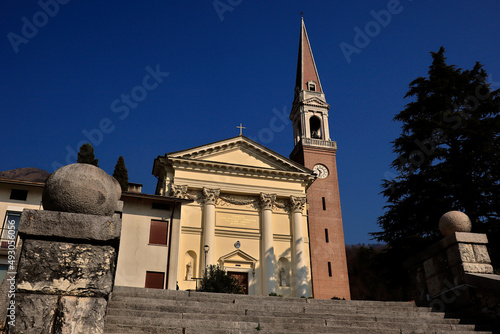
(456, 274)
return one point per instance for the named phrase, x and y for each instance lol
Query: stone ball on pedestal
(454, 221)
(81, 188)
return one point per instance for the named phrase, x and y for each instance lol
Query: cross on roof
(241, 129)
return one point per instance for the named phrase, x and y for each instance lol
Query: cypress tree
(86, 155)
(121, 173)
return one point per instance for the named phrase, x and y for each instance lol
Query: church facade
(248, 215)
(274, 223)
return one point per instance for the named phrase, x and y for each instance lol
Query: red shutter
(158, 232)
(154, 280)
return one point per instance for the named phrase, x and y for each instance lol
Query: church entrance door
(242, 278)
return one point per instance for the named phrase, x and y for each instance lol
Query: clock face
(320, 171)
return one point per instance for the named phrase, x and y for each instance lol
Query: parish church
(272, 222)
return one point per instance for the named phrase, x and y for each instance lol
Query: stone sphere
(81, 188)
(454, 221)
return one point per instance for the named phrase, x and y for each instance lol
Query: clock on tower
(315, 150)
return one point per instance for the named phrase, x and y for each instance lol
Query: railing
(319, 142)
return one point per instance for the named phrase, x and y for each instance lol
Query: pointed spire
(306, 67)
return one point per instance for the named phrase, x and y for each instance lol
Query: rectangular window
(326, 235)
(154, 280)
(158, 232)
(324, 203)
(9, 229)
(18, 194)
(160, 206)
(330, 269)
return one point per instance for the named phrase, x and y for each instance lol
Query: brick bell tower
(315, 150)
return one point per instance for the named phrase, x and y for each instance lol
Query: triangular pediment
(316, 102)
(237, 256)
(239, 151)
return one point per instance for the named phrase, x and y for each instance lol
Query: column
(267, 262)
(306, 132)
(173, 261)
(210, 196)
(299, 264)
(325, 126)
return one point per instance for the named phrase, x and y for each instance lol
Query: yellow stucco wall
(136, 256)
(247, 232)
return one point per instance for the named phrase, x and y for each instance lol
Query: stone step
(176, 310)
(360, 321)
(135, 310)
(270, 306)
(153, 294)
(224, 328)
(204, 296)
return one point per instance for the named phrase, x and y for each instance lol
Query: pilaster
(268, 281)
(297, 205)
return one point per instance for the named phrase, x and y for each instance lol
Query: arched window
(315, 126)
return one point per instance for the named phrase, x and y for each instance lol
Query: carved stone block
(453, 255)
(69, 225)
(34, 314)
(481, 253)
(477, 268)
(66, 269)
(81, 315)
(466, 253)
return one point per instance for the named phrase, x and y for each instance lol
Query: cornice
(240, 170)
(234, 188)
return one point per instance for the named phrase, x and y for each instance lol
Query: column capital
(267, 201)
(179, 191)
(297, 203)
(210, 196)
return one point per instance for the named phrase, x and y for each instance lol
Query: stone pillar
(210, 196)
(66, 272)
(66, 266)
(456, 273)
(267, 262)
(299, 263)
(326, 128)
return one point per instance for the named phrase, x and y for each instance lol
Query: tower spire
(307, 73)
(315, 150)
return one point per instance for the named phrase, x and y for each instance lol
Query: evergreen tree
(86, 155)
(121, 173)
(215, 279)
(448, 158)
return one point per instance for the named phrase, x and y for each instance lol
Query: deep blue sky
(65, 77)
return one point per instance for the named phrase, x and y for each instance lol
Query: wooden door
(242, 278)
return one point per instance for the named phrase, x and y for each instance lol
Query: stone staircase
(136, 310)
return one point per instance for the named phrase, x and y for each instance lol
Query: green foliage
(86, 155)
(215, 279)
(121, 173)
(448, 158)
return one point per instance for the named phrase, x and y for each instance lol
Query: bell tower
(315, 150)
